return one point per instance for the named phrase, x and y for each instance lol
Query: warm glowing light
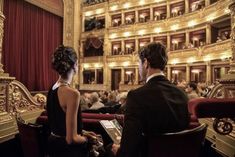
(207, 58)
(157, 13)
(142, 44)
(195, 39)
(174, 27)
(88, 13)
(86, 66)
(99, 11)
(142, 2)
(112, 64)
(175, 71)
(113, 36)
(115, 20)
(113, 8)
(196, 71)
(175, 10)
(126, 5)
(192, 23)
(126, 34)
(157, 30)
(129, 72)
(175, 41)
(115, 47)
(128, 18)
(191, 60)
(125, 64)
(128, 45)
(175, 61)
(98, 65)
(210, 18)
(141, 32)
(226, 11)
(142, 16)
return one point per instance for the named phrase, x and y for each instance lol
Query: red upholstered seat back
(186, 143)
(31, 137)
(97, 116)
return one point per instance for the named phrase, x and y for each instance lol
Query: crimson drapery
(31, 35)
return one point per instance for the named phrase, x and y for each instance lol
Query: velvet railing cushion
(212, 107)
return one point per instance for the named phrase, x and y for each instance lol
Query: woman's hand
(82, 139)
(92, 137)
(115, 148)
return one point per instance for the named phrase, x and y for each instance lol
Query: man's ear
(146, 63)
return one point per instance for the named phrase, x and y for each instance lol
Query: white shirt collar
(153, 75)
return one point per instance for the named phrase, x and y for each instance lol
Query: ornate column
(122, 75)
(123, 18)
(151, 13)
(168, 41)
(136, 16)
(208, 72)
(136, 76)
(228, 81)
(186, 6)
(72, 28)
(207, 2)
(81, 74)
(169, 72)
(123, 46)
(208, 34)
(187, 38)
(2, 17)
(232, 67)
(95, 81)
(168, 9)
(107, 18)
(136, 44)
(187, 73)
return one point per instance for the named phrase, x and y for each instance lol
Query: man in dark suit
(157, 107)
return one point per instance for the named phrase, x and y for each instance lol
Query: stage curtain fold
(31, 35)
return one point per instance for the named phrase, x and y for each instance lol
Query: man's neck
(152, 71)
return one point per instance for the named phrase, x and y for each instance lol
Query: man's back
(165, 106)
(157, 107)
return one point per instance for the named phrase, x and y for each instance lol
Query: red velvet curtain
(31, 35)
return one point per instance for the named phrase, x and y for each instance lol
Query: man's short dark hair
(192, 85)
(156, 55)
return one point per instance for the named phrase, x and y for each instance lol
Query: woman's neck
(65, 80)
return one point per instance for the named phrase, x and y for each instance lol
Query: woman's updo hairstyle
(64, 59)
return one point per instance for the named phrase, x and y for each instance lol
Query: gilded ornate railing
(15, 98)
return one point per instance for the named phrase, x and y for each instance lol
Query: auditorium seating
(90, 122)
(187, 143)
(32, 137)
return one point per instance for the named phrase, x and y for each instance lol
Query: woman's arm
(73, 99)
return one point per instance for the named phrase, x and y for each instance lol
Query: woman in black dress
(64, 114)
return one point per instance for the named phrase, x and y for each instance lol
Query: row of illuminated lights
(126, 5)
(173, 62)
(115, 7)
(175, 27)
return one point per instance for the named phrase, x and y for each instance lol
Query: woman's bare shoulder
(71, 91)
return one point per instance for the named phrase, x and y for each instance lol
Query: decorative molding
(53, 6)
(68, 22)
(2, 18)
(201, 17)
(20, 99)
(92, 87)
